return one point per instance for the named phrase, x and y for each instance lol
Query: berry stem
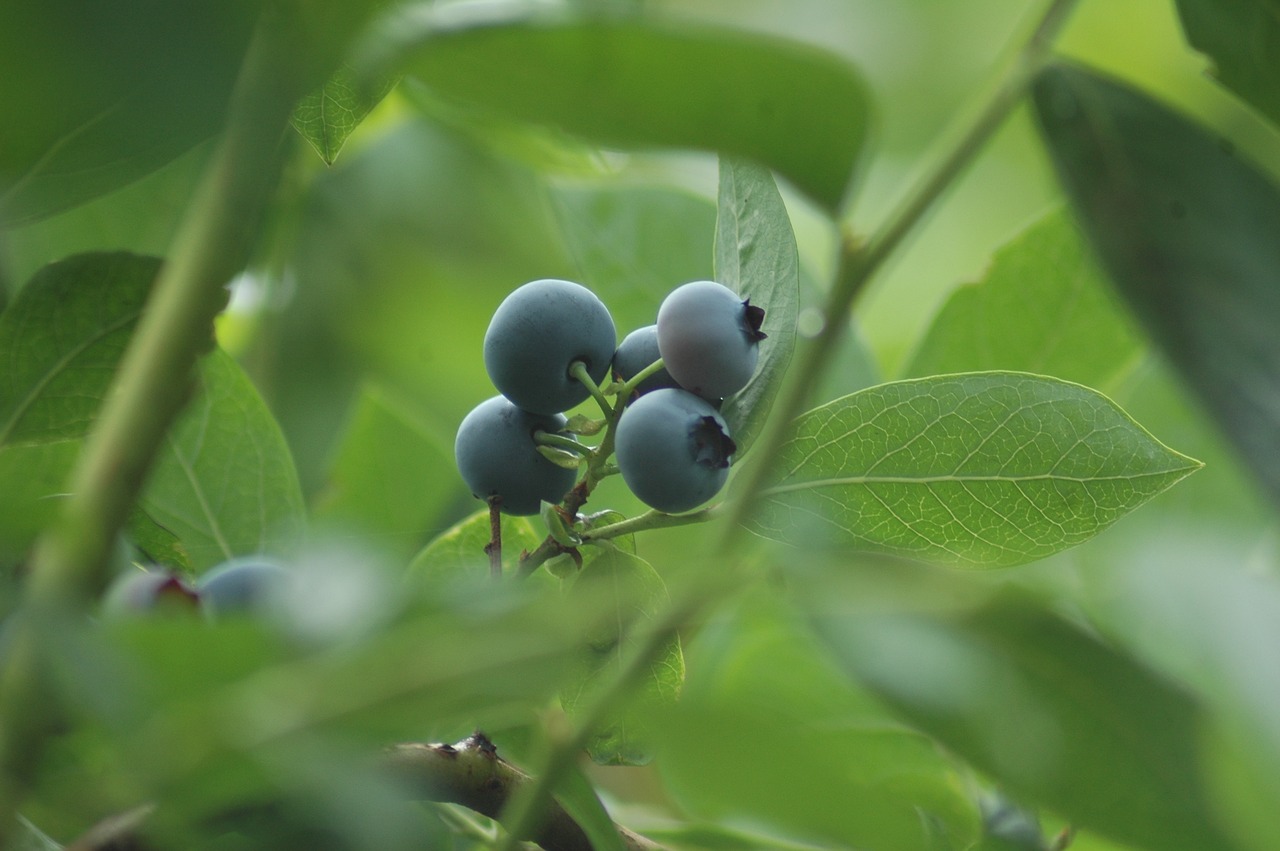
(629, 386)
(546, 438)
(493, 549)
(578, 370)
(650, 520)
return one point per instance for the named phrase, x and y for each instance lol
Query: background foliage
(1082, 311)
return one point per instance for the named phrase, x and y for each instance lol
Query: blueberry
(245, 586)
(138, 591)
(537, 333)
(636, 351)
(709, 338)
(497, 456)
(673, 450)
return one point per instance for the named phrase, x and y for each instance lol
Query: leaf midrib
(951, 477)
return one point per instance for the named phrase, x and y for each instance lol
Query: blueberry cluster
(551, 345)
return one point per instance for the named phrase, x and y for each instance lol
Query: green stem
(858, 263)
(155, 378)
(578, 370)
(493, 549)
(559, 441)
(650, 520)
(523, 811)
(630, 385)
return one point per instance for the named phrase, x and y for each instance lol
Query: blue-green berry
(709, 338)
(245, 586)
(498, 456)
(537, 334)
(638, 350)
(673, 450)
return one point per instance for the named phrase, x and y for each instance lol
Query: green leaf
(459, 551)
(90, 107)
(385, 478)
(628, 594)
(35, 481)
(156, 543)
(140, 218)
(60, 342)
(1210, 618)
(1041, 705)
(798, 751)
(634, 244)
(1187, 232)
(1042, 307)
(1242, 37)
(579, 799)
(636, 82)
(976, 470)
(330, 114)
(224, 484)
(756, 257)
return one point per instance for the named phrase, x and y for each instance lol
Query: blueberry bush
(640, 424)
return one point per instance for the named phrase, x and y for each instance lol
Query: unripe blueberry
(138, 591)
(636, 351)
(709, 338)
(536, 335)
(245, 586)
(498, 456)
(673, 450)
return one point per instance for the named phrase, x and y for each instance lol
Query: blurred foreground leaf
(1242, 38)
(633, 596)
(1205, 616)
(1187, 231)
(769, 732)
(1057, 717)
(636, 82)
(1042, 307)
(98, 96)
(975, 470)
(756, 257)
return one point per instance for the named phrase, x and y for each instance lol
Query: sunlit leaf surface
(331, 113)
(977, 470)
(1042, 307)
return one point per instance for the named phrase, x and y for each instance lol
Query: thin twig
(471, 773)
